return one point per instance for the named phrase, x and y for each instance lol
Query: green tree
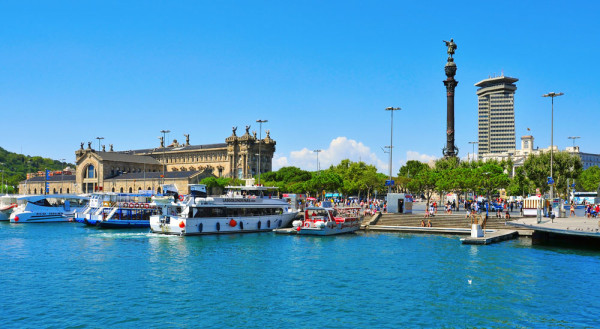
(565, 166)
(519, 184)
(589, 180)
(424, 183)
(490, 177)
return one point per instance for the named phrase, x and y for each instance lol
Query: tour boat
(328, 221)
(47, 208)
(118, 210)
(7, 205)
(244, 209)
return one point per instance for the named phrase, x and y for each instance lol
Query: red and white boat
(328, 221)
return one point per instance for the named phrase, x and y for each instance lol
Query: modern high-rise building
(496, 115)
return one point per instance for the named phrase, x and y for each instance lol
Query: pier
(571, 228)
(496, 229)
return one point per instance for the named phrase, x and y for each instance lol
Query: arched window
(61, 190)
(130, 190)
(158, 190)
(90, 172)
(139, 188)
(34, 191)
(113, 189)
(53, 191)
(121, 190)
(149, 188)
(67, 190)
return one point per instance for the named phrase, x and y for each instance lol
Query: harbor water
(65, 275)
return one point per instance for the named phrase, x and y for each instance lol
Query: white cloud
(339, 149)
(414, 155)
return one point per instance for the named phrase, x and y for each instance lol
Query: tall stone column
(450, 69)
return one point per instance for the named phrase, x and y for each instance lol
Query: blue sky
(321, 72)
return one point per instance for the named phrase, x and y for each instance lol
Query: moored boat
(328, 221)
(118, 210)
(7, 205)
(47, 208)
(243, 209)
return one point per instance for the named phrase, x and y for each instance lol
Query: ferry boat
(328, 221)
(244, 209)
(118, 210)
(47, 208)
(7, 205)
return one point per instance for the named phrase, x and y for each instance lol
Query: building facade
(496, 124)
(148, 169)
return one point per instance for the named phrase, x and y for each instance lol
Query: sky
(321, 73)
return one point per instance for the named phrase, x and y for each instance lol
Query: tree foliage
(16, 166)
(589, 180)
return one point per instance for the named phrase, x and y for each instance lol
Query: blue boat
(118, 210)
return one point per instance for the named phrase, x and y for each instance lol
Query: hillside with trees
(16, 166)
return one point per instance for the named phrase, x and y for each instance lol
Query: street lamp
(260, 122)
(391, 109)
(62, 175)
(164, 159)
(317, 151)
(473, 143)
(552, 95)
(99, 139)
(573, 138)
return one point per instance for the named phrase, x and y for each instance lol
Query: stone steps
(440, 220)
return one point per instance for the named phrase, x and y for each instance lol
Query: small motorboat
(328, 221)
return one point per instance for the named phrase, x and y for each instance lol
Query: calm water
(65, 275)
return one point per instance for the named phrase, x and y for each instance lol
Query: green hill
(16, 166)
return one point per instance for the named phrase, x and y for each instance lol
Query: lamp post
(62, 175)
(573, 138)
(164, 132)
(552, 95)
(99, 146)
(391, 109)
(260, 122)
(473, 143)
(317, 151)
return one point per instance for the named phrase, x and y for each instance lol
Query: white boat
(47, 208)
(244, 209)
(328, 221)
(117, 210)
(7, 204)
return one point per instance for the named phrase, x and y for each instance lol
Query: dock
(572, 228)
(492, 237)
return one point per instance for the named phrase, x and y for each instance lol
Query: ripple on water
(65, 275)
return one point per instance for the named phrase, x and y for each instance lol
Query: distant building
(137, 170)
(587, 159)
(519, 156)
(496, 126)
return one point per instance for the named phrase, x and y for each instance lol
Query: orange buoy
(232, 223)
(181, 224)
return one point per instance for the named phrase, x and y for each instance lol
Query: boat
(47, 208)
(328, 221)
(243, 209)
(7, 204)
(118, 210)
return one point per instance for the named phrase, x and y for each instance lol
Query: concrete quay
(570, 226)
(496, 229)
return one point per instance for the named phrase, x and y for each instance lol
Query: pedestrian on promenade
(572, 212)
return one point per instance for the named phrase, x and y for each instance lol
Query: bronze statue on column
(450, 150)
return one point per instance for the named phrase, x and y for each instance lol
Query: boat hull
(122, 223)
(328, 230)
(218, 225)
(40, 217)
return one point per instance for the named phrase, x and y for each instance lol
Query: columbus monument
(450, 150)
